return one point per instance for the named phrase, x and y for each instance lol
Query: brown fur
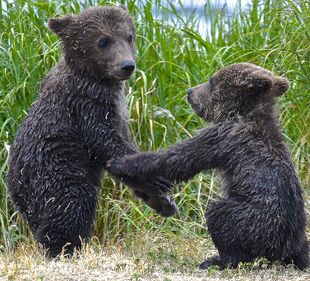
(262, 212)
(77, 124)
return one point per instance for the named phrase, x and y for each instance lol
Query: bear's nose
(128, 66)
(189, 92)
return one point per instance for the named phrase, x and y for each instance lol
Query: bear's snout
(128, 67)
(189, 92)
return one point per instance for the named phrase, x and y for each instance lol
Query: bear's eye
(103, 42)
(130, 38)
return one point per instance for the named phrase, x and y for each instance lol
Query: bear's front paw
(162, 204)
(160, 184)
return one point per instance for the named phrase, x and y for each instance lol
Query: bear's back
(258, 164)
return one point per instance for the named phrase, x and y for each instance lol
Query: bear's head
(98, 42)
(236, 90)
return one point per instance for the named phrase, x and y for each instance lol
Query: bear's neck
(265, 123)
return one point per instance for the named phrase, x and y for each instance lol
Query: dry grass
(172, 58)
(147, 258)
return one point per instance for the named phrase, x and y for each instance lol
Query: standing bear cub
(78, 123)
(262, 213)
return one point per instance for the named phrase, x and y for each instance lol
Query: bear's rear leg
(67, 221)
(54, 249)
(226, 260)
(301, 259)
(228, 234)
(214, 261)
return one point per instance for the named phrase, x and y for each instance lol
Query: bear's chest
(120, 120)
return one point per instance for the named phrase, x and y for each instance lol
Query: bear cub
(262, 212)
(77, 124)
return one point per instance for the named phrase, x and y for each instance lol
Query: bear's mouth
(121, 74)
(197, 108)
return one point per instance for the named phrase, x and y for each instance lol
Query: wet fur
(77, 124)
(262, 211)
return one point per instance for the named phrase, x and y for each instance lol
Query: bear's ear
(58, 25)
(257, 82)
(123, 7)
(280, 85)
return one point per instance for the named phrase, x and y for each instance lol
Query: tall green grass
(172, 56)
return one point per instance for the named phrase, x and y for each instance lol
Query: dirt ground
(144, 259)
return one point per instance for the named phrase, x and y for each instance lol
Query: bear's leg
(300, 259)
(213, 261)
(67, 219)
(226, 260)
(222, 223)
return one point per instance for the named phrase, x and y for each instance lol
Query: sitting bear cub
(78, 123)
(262, 213)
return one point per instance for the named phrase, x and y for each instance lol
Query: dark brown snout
(189, 94)
(128, 67)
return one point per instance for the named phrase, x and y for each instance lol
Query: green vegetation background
(172, 57)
